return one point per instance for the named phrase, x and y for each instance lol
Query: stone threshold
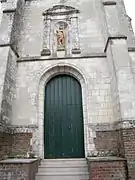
(103, 159)
(18, 161)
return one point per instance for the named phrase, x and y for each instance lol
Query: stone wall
(3, 65)
(18, 169)
(90, 26)
(9, 88)
(113, 86)
(126, 23)
(132, 56)
(105, 97)
(17, 25)
(93, 76)
(107, 168)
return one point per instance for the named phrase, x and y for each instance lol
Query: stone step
(65, 159)
(57, 162)
(64, 168)
(62, 176)
(64, 165)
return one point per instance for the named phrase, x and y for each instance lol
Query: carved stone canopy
(60, 10)
(60, 24)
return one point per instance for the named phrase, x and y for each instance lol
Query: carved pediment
(60, 10)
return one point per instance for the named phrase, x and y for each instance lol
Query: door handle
(70, 126)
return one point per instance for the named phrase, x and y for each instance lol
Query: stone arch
(46, 76)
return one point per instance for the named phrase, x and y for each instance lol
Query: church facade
(67, 76)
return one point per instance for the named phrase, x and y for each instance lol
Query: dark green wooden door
(63, 118)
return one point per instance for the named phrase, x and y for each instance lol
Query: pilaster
(7, 63)
(118, 22)
(9, 9)
(112, 17)
(46, 37)
(75, 36)
(124, 76)
(119, 62)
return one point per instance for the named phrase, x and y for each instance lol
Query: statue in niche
(60, 33)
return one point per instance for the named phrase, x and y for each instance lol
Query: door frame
(45, 77)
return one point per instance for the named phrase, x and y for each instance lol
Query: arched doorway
(63, 118)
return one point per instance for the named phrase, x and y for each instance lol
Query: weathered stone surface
(11, 170)
(8, 80)
(98, 51)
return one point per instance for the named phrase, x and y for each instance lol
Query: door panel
(63, 118)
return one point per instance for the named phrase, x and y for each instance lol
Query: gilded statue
(60, 38)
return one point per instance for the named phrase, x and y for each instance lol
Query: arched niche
(68, 32)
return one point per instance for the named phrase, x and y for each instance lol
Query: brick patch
(21, 143)
(129, 147)
(109, 141)
(106, 140)
(107, 170)
(120, 141)
(6, 141)
(13, 145)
